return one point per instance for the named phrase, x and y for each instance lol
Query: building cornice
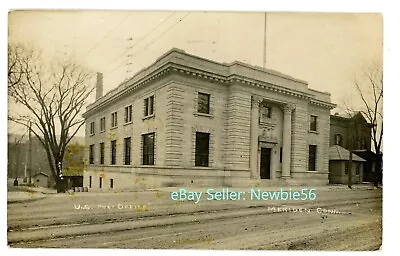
(323, 104)
(268, 86)
(169, 63)
(124, 89)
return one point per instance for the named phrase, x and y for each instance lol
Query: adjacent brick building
(356, 126)
(189, 120)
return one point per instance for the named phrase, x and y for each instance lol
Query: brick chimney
(99, 86)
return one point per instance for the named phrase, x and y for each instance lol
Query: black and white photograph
(195, 130)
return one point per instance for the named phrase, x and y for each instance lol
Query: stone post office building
(187, 120)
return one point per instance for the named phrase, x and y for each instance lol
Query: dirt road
(339, 219)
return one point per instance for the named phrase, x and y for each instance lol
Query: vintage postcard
(195, 130)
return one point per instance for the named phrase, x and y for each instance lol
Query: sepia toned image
(195, 130)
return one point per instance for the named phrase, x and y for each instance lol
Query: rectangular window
(346, 168)
(91, 128)
(102, 124)
(128, 114)
(102, 153)
(90, 181)
(338, 139)
(113, 152)
(127, 146)
(280, 155)
(149, 106)
(100, 182)
(203, 103)
(91, 154)
(363, 143)
(114, 119)
(111, 183)
(202, 149)
(146, 107)
(313, 123)
(148, 149)
(312, 157)
(358, 166)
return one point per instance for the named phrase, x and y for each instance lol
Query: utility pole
(26, 164)
(350, 169)
(17, 151)
(265, 41)
(30, 154)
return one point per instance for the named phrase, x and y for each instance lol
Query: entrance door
(265, 163)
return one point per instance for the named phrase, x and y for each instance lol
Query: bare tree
(54, 96)
(15, 60)
(15, 165)
(369, 85)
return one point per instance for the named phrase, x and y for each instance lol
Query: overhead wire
(151, 42)
(108, 34)
(141, 39)
(154, 40)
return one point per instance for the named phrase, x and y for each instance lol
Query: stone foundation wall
(141, 178)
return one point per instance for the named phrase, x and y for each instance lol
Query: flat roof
(179, 58)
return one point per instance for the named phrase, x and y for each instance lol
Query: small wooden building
(41, 179)
(339, 166)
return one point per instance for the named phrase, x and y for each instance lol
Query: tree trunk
(60, 185)
(16, 166)
(60, 180)
(350, 164)
(378, 170)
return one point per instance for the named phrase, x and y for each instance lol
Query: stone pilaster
(174, 126)
(287, 140)
(237, 129)
(254, 126)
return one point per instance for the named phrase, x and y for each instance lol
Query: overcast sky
(324, 49)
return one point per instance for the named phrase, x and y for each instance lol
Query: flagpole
(265, 41)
